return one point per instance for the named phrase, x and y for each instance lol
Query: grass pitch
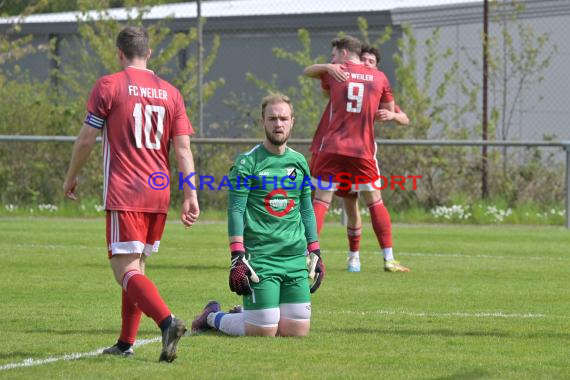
(481, 302)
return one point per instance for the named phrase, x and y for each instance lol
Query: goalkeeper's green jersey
(270, 202)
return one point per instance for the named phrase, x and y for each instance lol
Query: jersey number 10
(355, 97)
(148, 111)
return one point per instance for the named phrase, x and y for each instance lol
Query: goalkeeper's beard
(278, 140)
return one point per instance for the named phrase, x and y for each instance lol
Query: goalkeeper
(271, 222)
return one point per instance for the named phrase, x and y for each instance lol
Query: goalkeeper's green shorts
(283, 279)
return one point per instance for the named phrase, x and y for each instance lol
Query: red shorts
(134, 232)
(340, 170)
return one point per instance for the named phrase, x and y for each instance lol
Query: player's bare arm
(334, 70)
(399, 117)
(315, 71)
(81, 151)
(190, 207)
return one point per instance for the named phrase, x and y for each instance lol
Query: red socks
(143, 294)
(353, 235)
(381, 223)
(131, 317)
(321, 208)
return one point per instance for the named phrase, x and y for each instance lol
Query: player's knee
(324, 195)
(251, 330)
(371, 196)
(122, 264)
(119, 274)
(352, 215)
(298, 330)
(118, 277)
(295, 319)
(262, 322)
(289, 328)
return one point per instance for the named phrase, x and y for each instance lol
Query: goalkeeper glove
(239, 271)
(316, 265)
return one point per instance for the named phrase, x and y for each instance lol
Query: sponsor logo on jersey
(277, 203)
(292, 173)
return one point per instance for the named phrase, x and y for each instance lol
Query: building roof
(241, 8)
(286, 15)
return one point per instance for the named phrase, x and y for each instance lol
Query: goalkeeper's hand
(239, 271)
(316, 266)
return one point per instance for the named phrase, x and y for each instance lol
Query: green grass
(481, 302)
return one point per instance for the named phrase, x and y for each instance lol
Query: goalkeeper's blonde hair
(274, 99)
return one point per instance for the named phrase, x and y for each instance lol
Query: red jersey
(347, 125)
(139, 114)
(317, 138)
(321, 129)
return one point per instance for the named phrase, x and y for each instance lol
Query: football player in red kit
(138, 115)
(344, 141)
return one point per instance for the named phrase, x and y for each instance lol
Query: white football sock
(353, 255)
(388, 255)
(230, 324)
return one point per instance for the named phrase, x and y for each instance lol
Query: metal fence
(560, 145)
(261, 47)
(528, 55)
(251, 47)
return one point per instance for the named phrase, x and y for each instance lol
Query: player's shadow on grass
(466, 375)
(198, 267)
(20, 355)
(112, 332)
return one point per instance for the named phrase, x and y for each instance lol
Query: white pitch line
(78, 355)
(495, 257)
(496, 314)
(462, 256)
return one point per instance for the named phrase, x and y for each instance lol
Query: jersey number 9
(355, 95)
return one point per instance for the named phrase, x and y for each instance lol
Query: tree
(425, 101)
(13, 8)
(98, 32)
(518, 58)
(306, 96)
(13, 48)
(58, 107)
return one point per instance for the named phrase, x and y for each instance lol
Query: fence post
(566, 145)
